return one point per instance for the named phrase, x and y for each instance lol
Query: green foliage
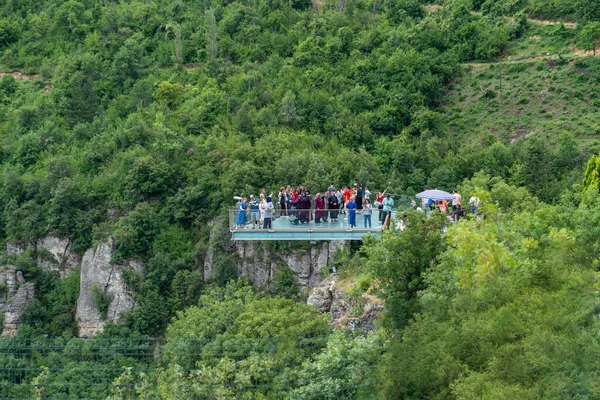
(101, 299)
(133, 278)
(344, 369)
(400, 260)
(269, 328)
(135, 232)
(285, 283)
(589, 36)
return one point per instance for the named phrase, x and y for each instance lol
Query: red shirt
(347, 195)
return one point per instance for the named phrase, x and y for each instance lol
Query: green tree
(588, 37)
(400, 261)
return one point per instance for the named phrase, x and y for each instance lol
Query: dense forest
(141, 119)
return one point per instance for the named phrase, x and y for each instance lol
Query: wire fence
(94, 368)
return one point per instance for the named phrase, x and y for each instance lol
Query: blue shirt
(387, 204)
(254, 205)
(351, 206)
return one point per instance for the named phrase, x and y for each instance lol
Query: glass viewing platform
(307, 225)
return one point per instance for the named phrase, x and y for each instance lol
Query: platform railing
(307, 220)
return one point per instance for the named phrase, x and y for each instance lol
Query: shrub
(285, 283)
(101, 300)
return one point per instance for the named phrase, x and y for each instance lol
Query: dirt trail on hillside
(20, 75)
(572, 25)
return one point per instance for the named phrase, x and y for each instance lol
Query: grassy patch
(539, 87)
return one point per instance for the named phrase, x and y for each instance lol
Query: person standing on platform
(283, 203)
(267, 209)
(319, 206)
(359, 197)
(340, 197)
(474, 204)
(367, 212)
(241, 219)
(456, 201)
(351, 207)
(388, 203)
(254, 211)
(334, 206)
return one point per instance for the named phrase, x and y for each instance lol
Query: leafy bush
(101, 299)
(285, 283)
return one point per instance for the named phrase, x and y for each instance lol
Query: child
(367, 212)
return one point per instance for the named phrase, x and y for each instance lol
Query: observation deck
(302, 225)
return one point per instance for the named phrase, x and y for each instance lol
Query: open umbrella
(434, 195)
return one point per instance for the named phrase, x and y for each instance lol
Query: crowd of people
(296, 204)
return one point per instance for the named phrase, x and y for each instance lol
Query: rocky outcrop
(16, 295)
(54, 254)
(257, 262)
(97, 269)
(328, 298)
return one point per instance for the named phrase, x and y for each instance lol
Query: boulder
(327, 297)
(97, 269)
(16, 296)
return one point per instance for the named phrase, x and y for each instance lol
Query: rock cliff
(54, 254)
(257, 262)
(16, 295)
(97, 269)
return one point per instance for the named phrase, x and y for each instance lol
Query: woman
(283, 202)
(334, 206)
(351, 207)
(304, 205)
(379, 204)
(340, 197)
(359, 197)
(367, 211)
(295, 205)
(261, 207)
(241, 219)
(443, 206)
(319, 206)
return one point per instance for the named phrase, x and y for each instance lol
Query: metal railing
(308, 219)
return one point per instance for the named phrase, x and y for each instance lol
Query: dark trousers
(267, 223)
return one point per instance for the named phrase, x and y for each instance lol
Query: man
(254, 212)
(474, 203)
(388, 203)
(456, 200)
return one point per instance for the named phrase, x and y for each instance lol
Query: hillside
(128, 129)
(541, 85)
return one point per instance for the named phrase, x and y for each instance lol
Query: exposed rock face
(17, 295)
(328, 298)
(96, 269)
(258, 263)
(207, 264)
(54, 255)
